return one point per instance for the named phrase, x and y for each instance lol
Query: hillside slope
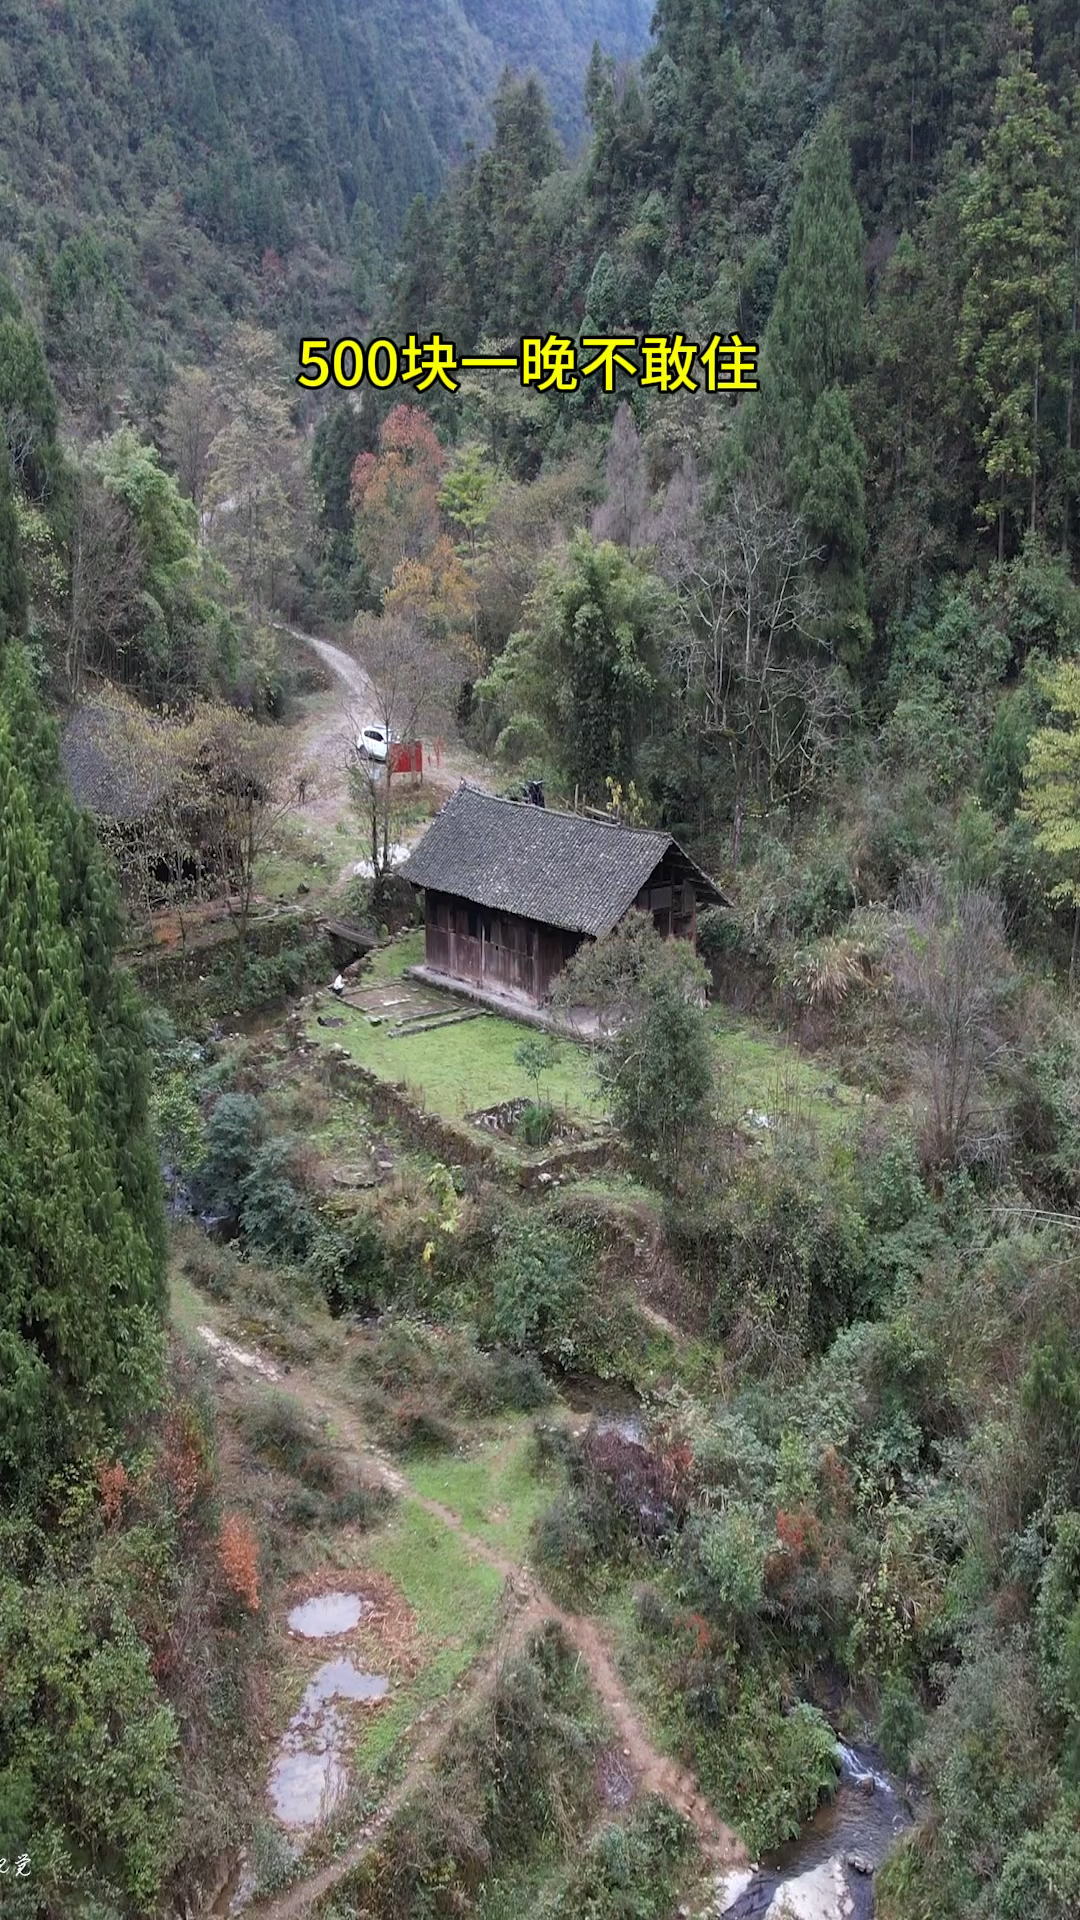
(232, 155)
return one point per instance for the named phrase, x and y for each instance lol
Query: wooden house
(511, 889)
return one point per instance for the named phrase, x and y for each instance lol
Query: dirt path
(329, 734)
(526, 1605)
(324, 741)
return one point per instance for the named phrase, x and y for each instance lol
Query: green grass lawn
(764, 1072)
(455, 1598)
(492, 1489)
(458, 1069)
(455, 1070)
(390, 962)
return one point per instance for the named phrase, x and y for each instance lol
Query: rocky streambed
(828, 1872)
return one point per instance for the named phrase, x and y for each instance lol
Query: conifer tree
(1013, 228)
(79, 1281)
(12, 578)
(81, 1223)
(828, 482)
(811, 356)
(1052, 792)
(815, 333)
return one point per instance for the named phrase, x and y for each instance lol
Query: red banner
(407, 756)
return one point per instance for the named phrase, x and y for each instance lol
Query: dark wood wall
(504, 951)
(669, 896)
(497, 950)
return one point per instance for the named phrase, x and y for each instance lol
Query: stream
(827, 1873)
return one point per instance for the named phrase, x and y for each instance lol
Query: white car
(373, 743)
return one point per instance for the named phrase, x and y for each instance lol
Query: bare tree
(246, 788)
(132, 769)
(950, 965)
(757, 685)
(257, 494)
(193, 418)
(106, 574)
(413, 683)
(624, 516)
(20, 435)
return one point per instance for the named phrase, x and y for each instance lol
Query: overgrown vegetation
(826, 632)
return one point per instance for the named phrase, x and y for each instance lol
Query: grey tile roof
(562, 869)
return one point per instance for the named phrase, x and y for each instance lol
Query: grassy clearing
(763, 1072)
(492, 1490)
(459, 1069)
(311, 852)
(455, 1070)
(455, 1598)
(390, 962)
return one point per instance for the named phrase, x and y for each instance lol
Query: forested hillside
(258, 159)
(796, 1216)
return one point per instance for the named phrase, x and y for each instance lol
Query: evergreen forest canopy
(828, 634)
(239, 159)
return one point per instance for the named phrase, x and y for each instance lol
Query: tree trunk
(1075, 947)
(1034, 447)
(1069, 406)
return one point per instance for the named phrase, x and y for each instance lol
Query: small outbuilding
(512, 888)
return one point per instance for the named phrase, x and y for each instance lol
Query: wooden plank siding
(497, 950)
(669, 896)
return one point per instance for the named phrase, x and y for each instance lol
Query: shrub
(276, 1426)
(274, 1215)
(535, 1124)
(823, 897)
(88, 1748)
(214, 1269)
(238, 1554)
(579, 1530)
(724, 1556)
(633, 1870)
(496, 1382)
(264, 979)
(518, 1382)
(352, 1265)
(984, 1760)
(234, 1133)
(413, 1428)
(644, 1489)
(355, 900)
(658, 1076)
(901, 1723)
(362, 1507)
(825, 975)
(654, 1614)
(393, 902)
(552, 1447)
(783, 1254)
(537, 1291)
(1042, 1874)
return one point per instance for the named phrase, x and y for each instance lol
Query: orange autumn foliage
(114, 1485)
(238, 1558)
(395, 493)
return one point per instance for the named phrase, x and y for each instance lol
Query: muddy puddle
(828, 1872)
(329, 1613)
(309, 1775)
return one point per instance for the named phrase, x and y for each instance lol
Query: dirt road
(328, 738)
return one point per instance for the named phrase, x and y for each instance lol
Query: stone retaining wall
(462, 1145)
